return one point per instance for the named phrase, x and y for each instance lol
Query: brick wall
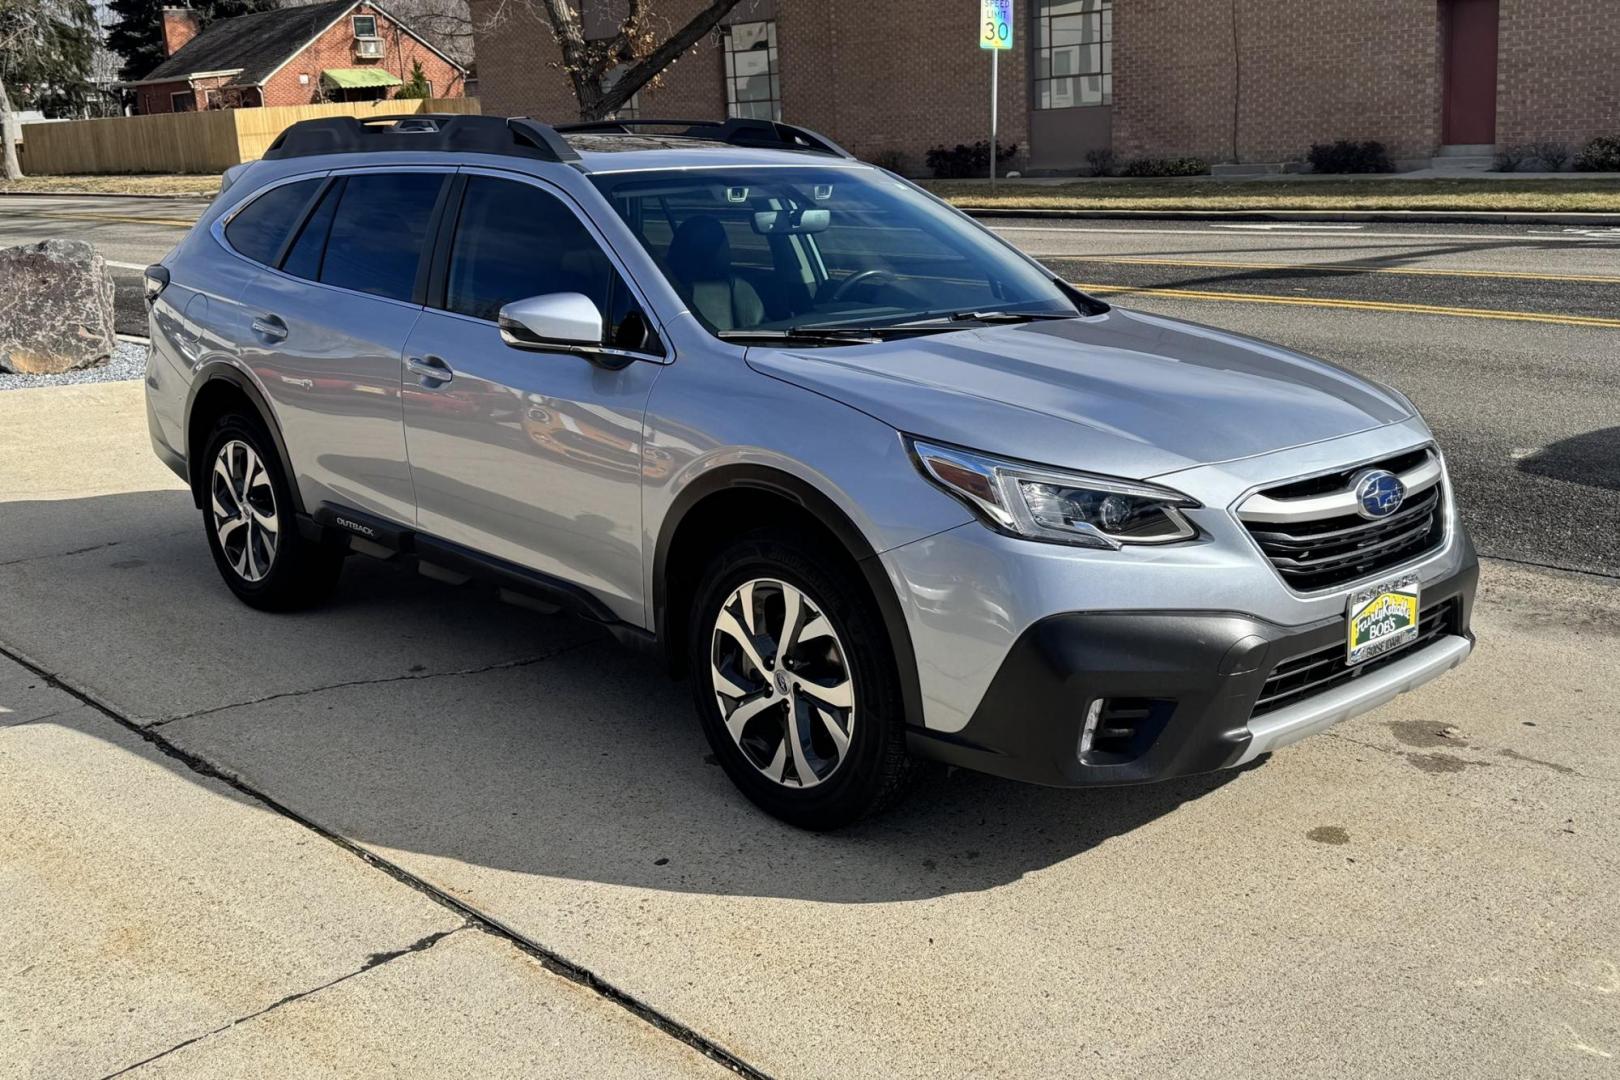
(335, 49)
(1353, 69)
(1558, 71)
(904, 75)
(332, 49)
(901, 75)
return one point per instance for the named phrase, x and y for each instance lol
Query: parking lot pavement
(1426, 890)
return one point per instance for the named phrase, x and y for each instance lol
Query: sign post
(995, 34)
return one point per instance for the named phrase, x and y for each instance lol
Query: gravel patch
(128, 361)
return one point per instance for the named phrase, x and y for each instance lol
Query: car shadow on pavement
(1592, 459)
(457, 735)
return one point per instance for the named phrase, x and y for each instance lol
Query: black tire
(301, 572)
(875, 769)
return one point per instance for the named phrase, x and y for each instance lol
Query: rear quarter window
(260, 228)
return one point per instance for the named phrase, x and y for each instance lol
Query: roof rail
(737, 131)
(468, 133)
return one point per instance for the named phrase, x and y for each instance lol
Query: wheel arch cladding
(704, 515)
(225, 390)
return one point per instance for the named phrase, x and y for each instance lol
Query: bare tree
(606, 73)
(45, 48)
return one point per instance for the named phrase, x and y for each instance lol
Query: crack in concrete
(411, 676)
(92, 547)
(374, 961)
(60, 554)
(549, 959)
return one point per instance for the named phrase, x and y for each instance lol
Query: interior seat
(699, 260)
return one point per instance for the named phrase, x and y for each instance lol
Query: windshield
(776, 250)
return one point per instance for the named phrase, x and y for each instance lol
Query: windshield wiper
(825, 336)
(993, 316)
(834, 335)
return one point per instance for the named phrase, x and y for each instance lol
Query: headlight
(1059, 507)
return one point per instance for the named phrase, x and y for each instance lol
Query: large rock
(56, 307)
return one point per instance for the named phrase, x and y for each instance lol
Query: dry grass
(140, 184)
(1569, 196)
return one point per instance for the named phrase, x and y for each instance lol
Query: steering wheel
(865, 277)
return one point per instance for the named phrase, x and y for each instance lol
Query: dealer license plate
(1381, 619)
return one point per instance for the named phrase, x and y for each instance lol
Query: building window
(752, 86)
(1074, 53)
(365, 26)
(183, 101)
(631, 109)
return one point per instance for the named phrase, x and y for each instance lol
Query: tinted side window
(304, 257)
(514, 241)
(378, 232)
(260, 229)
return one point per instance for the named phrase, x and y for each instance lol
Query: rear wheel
(248, 510)
(795, 683)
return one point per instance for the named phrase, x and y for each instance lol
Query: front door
(534, 457)
(1470, 74)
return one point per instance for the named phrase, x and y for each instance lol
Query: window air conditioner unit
(370, 48)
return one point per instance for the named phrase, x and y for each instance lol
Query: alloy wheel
(783, 682)
(243, 505)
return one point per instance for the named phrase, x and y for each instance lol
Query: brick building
(346, 50)
(1226, 80)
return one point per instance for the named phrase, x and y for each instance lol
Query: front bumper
(1191, 681)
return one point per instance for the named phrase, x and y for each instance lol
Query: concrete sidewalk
(1427, 890)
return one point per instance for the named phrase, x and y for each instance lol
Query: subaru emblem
(1378, 493)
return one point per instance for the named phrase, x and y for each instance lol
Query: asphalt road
(1507, 337)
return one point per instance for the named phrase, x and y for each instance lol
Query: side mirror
(556, 319)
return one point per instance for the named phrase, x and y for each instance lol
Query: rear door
(329, 316)
(534, 457)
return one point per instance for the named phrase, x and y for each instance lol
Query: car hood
(1120, 393)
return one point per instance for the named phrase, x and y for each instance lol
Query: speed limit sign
(995, 24)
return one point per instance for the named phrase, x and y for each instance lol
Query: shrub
(1345, 156)
(1602, 154)
(1512, 158)
(1552, 155)
(896, 161)
(1101, 162)
(417, 85)
(1181, 166)
(968, 162)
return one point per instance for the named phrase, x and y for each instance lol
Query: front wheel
(795, 682)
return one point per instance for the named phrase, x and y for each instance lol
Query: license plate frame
(1381, 619)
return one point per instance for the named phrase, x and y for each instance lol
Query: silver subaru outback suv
(883, 488)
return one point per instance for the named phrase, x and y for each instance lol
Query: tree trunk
(10, 133)
(648, 67)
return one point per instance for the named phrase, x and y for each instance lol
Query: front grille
(1301, 677)
(1324, 552)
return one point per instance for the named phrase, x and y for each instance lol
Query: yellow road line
(1511, 275)
(1356, 305)
(86, 215)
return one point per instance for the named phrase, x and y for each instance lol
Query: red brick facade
(1235, 80)
(298, 81)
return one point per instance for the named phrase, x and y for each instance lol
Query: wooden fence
(193, 142)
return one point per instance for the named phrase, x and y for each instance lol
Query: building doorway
(1469, 29)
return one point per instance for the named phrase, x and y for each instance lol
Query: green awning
(359, 78)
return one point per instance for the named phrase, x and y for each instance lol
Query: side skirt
(455, 564)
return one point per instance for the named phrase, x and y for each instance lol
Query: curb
(1415, 217)
(107, 195)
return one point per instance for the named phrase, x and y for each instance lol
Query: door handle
(430, 368)
(270, 328)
